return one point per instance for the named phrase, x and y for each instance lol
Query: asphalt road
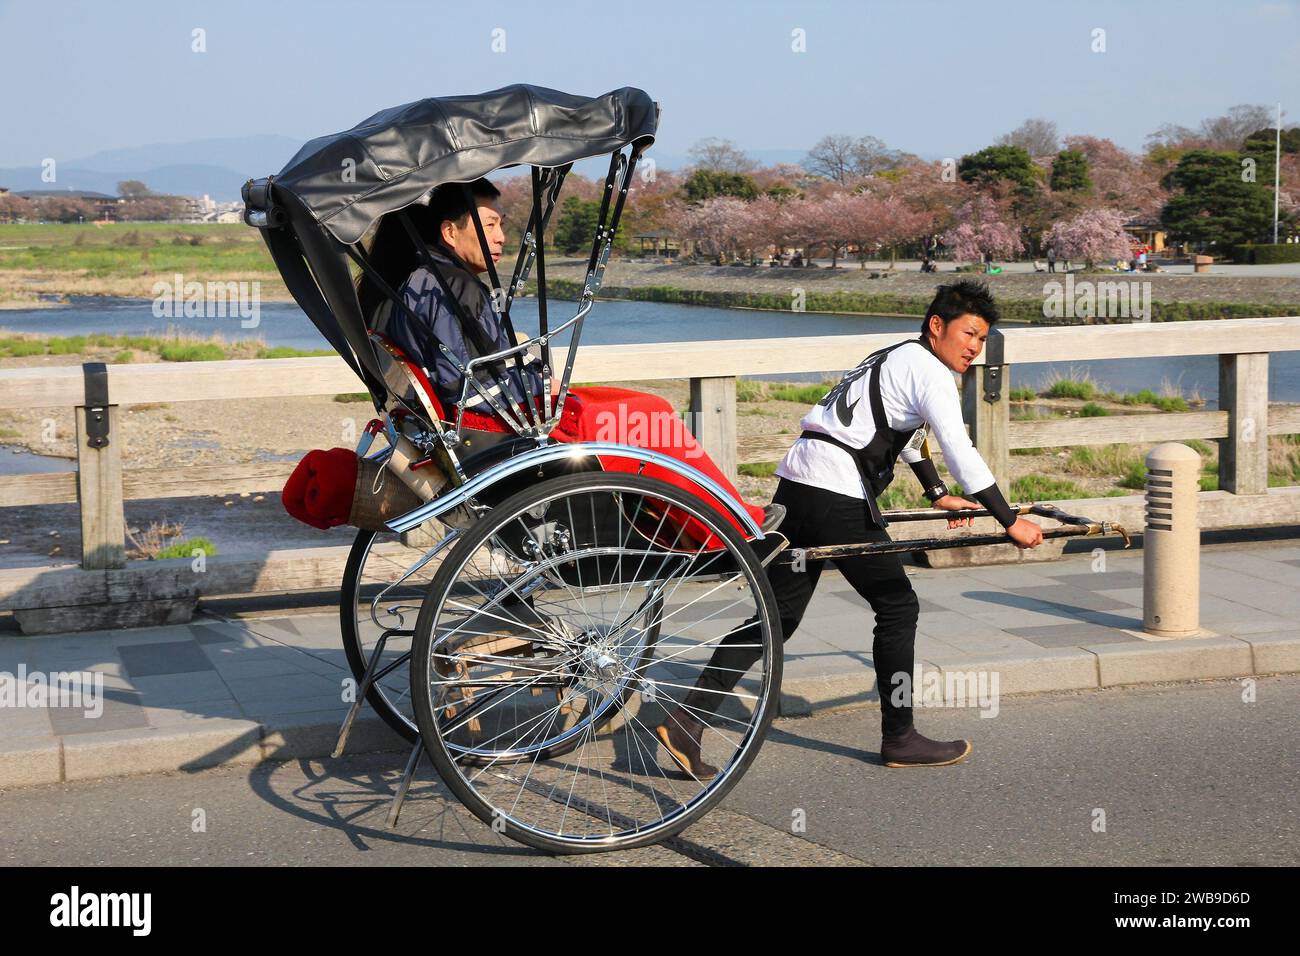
(1184, 773)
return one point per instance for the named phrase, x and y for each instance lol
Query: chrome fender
(549, 453)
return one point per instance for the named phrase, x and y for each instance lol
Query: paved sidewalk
(239, 691)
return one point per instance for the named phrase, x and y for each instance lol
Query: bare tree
(1228, 131)
(1216, 132)
(833, 157)
(720, 154)
(1038, 137)
(843, 159)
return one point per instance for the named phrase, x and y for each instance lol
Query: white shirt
(916, 390)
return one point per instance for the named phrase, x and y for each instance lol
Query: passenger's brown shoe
(910, 749)
(680, 734)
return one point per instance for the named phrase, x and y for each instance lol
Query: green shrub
(758, 469)
(1093, 410)
(1135, 475)
(284, 351)
(902, 494)
(1267, 253)
(19, 348)
(803, 394)
(186, 547)
(67, 345)
(123, 358)
(1069, 388)
(1043, 488)
(200, 352)
(747, 390)
(1023, 395)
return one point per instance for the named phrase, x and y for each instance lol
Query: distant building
(105, 206)
(659, 243)
(1147, 232)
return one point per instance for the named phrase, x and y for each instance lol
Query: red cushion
(321, 489)
(605, 413)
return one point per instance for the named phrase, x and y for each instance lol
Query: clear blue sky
(935, 78)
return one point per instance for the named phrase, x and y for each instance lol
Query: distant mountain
(252, 155)
(217, 167)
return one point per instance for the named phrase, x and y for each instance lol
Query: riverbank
(128, 259)
(877, 290)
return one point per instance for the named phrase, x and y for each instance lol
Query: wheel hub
(599, 667)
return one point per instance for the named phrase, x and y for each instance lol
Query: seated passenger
(448, 228)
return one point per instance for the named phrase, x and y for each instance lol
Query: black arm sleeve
(991, 498)
(928, 475)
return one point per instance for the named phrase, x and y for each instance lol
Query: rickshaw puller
(829, 481)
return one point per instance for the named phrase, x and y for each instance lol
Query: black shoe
(680, 735)
(910, 749)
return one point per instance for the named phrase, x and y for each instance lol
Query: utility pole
(1277, 171)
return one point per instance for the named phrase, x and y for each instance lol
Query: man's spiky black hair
(963, 297)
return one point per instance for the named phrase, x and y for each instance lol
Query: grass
(902, 494)
(756, 469)
(1032, 414)
(129, 249)
(1093, 410)
(162, 540)
(284, 351)
(1100, 461)
(349, 397)
(1023, 395)
(186, 547)
(205, 352)
(747, 390)
(174, 348)
(803, 394)
(1165, 403)
(1071, 388)
(1043, 488)
(1283, 460)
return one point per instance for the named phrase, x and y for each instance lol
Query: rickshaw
(526, 599)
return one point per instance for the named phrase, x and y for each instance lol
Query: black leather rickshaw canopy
(392, 159)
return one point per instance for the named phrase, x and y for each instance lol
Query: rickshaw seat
(607, 413)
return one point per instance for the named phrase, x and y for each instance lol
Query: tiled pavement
(243, 690)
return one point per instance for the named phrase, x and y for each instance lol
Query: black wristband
(991, 498)
(928, 475)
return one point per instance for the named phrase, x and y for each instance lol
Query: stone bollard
(1171, 548)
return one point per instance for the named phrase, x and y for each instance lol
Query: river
(618, 322)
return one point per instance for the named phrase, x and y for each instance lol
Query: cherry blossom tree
(979, 229)
(1092, 236)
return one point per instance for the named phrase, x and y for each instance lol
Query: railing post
(986, 407)
(99, 474)
(713, 416)
(1243, 394)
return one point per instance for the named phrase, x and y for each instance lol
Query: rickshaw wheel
(378, 594)
(583, 566)
(374, 569)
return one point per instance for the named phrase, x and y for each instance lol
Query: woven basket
(379, 497)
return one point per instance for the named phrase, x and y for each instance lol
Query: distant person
(1051, 258)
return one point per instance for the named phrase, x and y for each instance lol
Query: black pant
(816, 517)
